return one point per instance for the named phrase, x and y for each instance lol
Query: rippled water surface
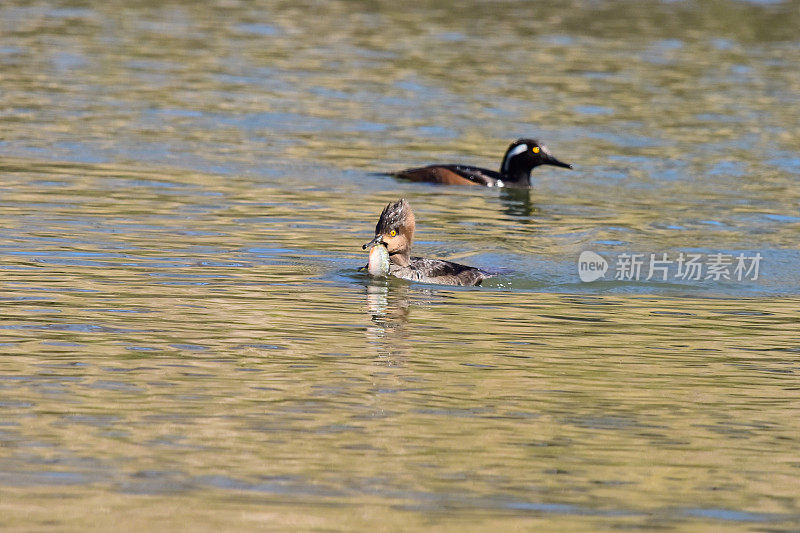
(187, 344)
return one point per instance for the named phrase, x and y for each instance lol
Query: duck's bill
(373, 242)
(557, 163)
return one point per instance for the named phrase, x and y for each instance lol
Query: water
(187, 343)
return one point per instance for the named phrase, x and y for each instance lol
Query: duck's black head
(522, 156)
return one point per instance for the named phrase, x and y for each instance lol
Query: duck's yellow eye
(392, 233)
(535, 149)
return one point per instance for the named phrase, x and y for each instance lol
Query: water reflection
(517, 203)
(389, 306)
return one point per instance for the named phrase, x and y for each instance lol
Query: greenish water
(187, 345)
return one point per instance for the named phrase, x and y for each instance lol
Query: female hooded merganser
(395, 231)
(522, 156)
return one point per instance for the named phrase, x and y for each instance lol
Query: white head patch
(511, 153)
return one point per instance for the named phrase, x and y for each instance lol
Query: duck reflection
(388, 303)
(518, 203)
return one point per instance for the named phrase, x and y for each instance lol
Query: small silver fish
(378, 265)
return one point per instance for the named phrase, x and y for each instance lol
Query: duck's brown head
(395, 230)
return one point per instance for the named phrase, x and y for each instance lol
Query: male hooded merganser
(395, 231)
(522, 156)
